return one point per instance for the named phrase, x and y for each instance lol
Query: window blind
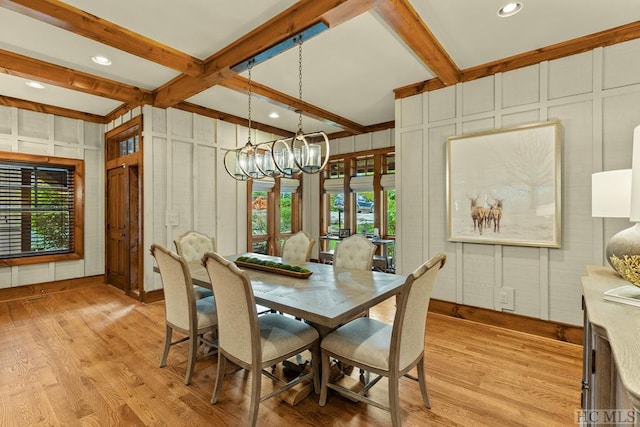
(36, 210)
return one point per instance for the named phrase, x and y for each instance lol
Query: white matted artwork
(503, 186)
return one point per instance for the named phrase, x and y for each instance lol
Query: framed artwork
(504, 186)
(344, 232)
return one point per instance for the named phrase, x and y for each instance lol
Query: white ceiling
(350, 70)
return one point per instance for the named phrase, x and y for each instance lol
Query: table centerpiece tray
(276, 268)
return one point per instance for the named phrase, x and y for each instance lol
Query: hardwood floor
(90, 357)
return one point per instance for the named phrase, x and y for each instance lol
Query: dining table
(326, 299)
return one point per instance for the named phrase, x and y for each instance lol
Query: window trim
(78, 208)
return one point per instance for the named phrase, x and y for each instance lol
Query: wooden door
(117, 256)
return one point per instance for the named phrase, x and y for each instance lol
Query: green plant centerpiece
(272, 266)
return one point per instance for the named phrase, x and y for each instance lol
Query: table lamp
(611, 198)
(627, 261)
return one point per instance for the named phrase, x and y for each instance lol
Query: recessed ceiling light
(510, 9)
(35, 85)
(274, 115)
(101, 60)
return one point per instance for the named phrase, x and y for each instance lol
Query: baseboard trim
(152, 296)
(544, 328)
(38, 290)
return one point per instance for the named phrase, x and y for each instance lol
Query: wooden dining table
(327, 299)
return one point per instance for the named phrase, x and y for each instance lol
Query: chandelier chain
(300, 82)
(249, 91)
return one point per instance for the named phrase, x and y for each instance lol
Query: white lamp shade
(611, 193)
(635, 179)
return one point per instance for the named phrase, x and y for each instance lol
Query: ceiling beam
(45, 72)
(69, 18)
(407, 24)
(571, 47)
(217, 67)
(240, 84)
(50, 109)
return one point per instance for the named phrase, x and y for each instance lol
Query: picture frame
(344, 232)
(511, 180)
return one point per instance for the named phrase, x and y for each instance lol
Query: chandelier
(285, 157)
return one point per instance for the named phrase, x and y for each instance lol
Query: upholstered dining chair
(191, 246)
(296, 250)
(254, 342)
(183, 312)
(386, 350)
(354, 252)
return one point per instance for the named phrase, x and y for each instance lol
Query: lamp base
(623, 254)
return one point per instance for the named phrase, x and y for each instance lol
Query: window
(41, 210)
(359, 193)
(275, 213)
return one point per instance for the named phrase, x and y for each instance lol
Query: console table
(611, 369)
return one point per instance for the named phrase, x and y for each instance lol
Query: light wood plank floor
(90, 357)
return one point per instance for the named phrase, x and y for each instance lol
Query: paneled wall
(29, 132)
(186, 185)
(596, 97)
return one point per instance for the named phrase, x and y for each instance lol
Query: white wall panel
(478, 275)
(159, 119)
(68, 151)
(411, 111)
(94, 243)
(33, 124)
(205, 185)
(441, 104)
(478, 96)
(521, 87)
(67, 130)
(5, 119)
(621, 66)
(382, 139)
(204, 130)
(620, 115)
(35, 273)
(521, 271)
(410, 227)
(68, 270)
(31, 147)
(362, 142)
(181, 123)
(5, 277)
(181, 186)
(93, 135)
(5, 144)
(572, 75)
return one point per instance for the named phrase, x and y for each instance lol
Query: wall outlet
(504, 298)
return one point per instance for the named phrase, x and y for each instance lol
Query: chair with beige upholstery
(183, 311)
(296, 250)
(191, 246)
(386, 350)
(354, 252)
(254, 342)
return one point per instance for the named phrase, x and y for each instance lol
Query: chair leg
(423, 383)
(326, 367)
(167, 344)
(193, 354)
(219, 378)
(394, 400)
(256, 383)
